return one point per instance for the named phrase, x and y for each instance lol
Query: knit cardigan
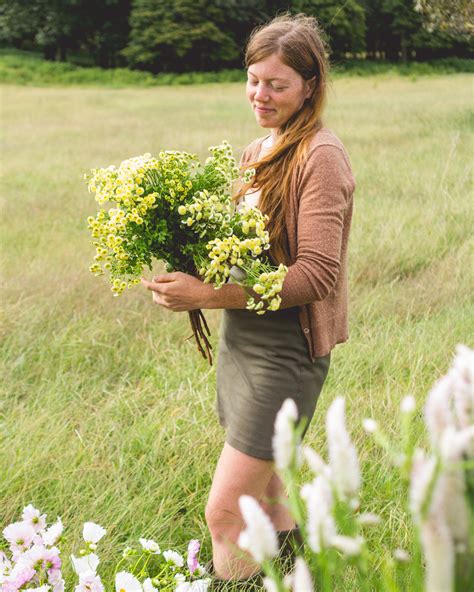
(318, 220)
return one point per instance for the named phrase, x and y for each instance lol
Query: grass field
(107, 414)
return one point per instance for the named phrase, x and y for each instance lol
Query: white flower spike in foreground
(301, 580)
(343, 458)
(283, 439)
(321, 525)
(315, 462)
(259, 537)
(348, 545)
(408, 404)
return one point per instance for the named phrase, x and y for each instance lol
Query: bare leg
(278, 512)
(236, 474)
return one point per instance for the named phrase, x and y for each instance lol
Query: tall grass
(106, 412)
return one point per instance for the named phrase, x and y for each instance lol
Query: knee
(222, 522)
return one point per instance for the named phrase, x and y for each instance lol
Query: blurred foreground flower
(441, 497)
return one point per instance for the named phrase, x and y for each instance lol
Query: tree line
(204, 35)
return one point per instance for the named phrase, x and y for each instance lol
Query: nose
(261, 93)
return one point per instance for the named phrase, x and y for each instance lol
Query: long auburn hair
(299, 43)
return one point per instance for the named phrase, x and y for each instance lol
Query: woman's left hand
(178, 291)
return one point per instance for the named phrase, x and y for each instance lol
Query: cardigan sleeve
(325, 188)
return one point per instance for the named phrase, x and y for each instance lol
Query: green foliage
(27, 68)
(20, 67)
(344, 23)
(177, 36)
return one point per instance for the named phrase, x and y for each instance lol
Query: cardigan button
(306, 330)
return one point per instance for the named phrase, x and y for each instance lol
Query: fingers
(155, 286)
(157, 293)
(157, 299)
(162, 293)
(167, 277)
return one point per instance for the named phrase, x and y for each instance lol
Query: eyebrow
(270, 79)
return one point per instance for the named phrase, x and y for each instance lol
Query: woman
(304, 183)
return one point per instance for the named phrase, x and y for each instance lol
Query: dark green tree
(58, 26)
(179, 35)
(54, 26)
(107, 31)
(344, 23)
(19, 22)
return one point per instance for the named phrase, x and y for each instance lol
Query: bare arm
(180, 291)
(229, 296)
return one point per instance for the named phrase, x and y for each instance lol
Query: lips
(262, 109)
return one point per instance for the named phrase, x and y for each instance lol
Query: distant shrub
(27, 68)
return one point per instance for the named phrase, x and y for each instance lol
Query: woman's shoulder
(327, 157)
(326, 141)
(326, 137)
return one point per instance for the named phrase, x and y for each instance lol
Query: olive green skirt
(262, 360)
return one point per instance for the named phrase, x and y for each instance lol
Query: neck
(274, 134)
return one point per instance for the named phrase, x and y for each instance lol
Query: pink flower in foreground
(89, 582)
(20, 536)
(34, 518)
(20, 575)
(193, 550)
(41, 558)
(56, 580)
(85, 563)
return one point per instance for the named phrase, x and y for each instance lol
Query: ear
(311, 83)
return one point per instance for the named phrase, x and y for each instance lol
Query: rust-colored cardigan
(318, 221)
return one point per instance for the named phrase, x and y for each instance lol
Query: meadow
(106, 410)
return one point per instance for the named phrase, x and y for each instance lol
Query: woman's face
(275, 91)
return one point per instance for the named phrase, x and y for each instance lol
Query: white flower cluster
(35, 562)
(438, 487)
(438, 479)
(339, 480)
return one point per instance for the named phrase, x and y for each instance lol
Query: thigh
(237, 474)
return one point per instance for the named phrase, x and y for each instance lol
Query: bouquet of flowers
(176, 209)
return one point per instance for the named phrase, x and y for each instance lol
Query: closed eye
(275, 88)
